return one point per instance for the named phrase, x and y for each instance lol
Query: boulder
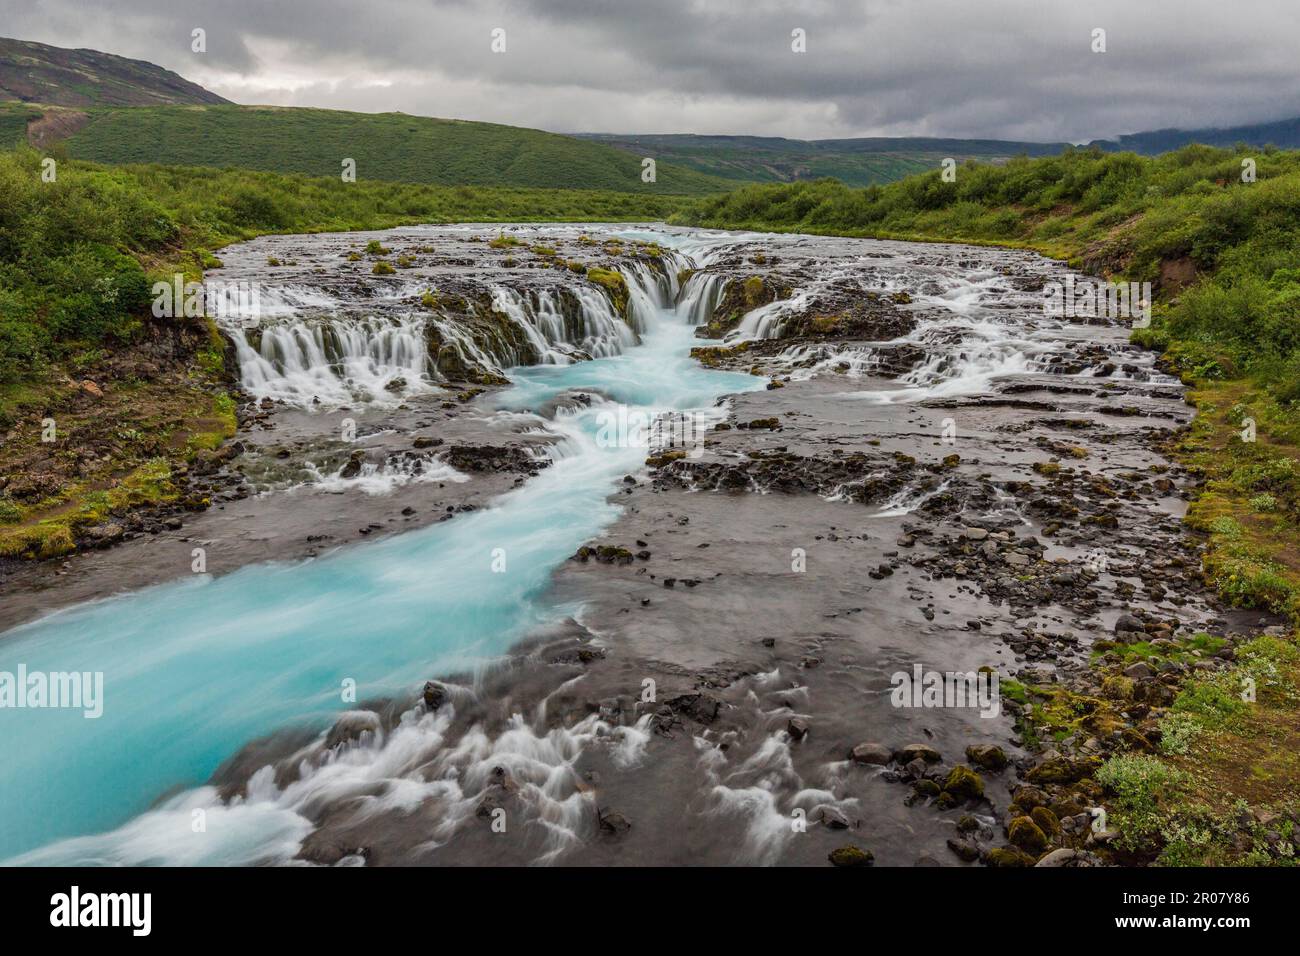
(964, 783)
(987, 756)
(871, 753)
(1026, 834)
(352, 727)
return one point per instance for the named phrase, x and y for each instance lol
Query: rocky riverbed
(923, 471)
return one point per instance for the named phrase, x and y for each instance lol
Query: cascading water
(700, 296)
(595, 331)
(333, 361)
(194, 670)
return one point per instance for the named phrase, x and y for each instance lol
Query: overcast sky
(1010, 69)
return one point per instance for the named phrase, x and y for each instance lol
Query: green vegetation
(385, 146)
(13, 124)
(1228, 771)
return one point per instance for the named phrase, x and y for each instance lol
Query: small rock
(613, 822)
(833, 818)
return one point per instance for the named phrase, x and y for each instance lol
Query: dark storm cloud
(998, 68)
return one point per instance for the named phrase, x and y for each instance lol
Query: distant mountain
(1284, 134)
(114, 110)
(37, 73)
(858, 162)
(385, 146)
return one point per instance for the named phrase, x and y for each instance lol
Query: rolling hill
(857, 162)
(386, 146)
(1285, 134)
(114, 110)
(38, 73)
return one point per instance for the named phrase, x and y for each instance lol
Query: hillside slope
(38, 73)
(386, 146)
(1284, 134)
(857, 162)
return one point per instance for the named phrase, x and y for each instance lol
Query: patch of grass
(1142, 786)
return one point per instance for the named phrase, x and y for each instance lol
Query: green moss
(614, 284)
(851, 856)
(1008, 856)
(963, 783)
(1047, 821)
(1024, 833)
(987, 756)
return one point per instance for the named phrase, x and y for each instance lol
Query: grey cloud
(1000, 68)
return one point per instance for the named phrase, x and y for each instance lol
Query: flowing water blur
(194, 670)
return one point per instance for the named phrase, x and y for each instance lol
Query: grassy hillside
(38, 73)
(386, 146)
(13, 123)
(857, 162)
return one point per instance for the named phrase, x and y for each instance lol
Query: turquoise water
(195, 669)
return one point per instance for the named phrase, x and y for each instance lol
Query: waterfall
(333, 361)
(766, 321)
(308, 351)
(700, 296)
(591, 330)
(468, 350)
(649, 292)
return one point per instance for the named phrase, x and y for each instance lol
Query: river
(197, 667)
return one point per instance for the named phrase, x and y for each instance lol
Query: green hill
(1284, 134)
(386, 146)
(39, 73)
(857, 162)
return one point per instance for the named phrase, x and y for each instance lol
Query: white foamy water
(334, 361)
(382, 479)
